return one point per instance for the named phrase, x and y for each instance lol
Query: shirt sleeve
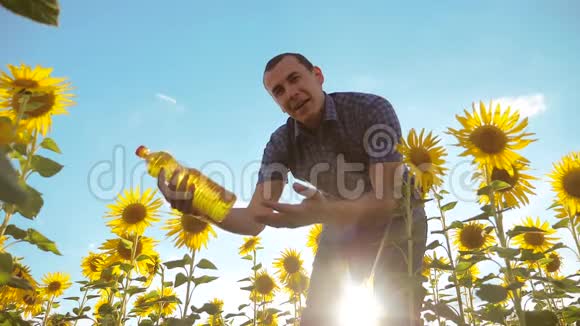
(274, 164)
(381, 132)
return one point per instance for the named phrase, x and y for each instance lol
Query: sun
(45, 96)
(55, 283)
(472, 236)
(249, 245)
(134, 211)
(314, 237)
(518, 191)
(188, 230)
(289, 265)
(424, 157)
(566, 182)
(492, 138)
(537, 241)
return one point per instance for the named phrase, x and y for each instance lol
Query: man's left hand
(312, 210)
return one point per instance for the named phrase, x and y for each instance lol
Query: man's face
(297, 90)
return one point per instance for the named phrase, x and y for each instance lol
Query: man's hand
(180, 196)
(311, 210)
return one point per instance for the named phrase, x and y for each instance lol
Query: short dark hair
(302, 59)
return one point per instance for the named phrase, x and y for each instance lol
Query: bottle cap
(142, 151)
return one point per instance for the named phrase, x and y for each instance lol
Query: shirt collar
(329, 114)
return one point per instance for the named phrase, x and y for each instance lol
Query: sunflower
(289, 265)
(537, 241)
(267, 318)
(142, 306)
(472, 236)
(298, 285)
(57, 320)
(14, 295)
(425, 159)
(117, 251)
(153, 266)
(492, 138)
(189, 231)
(134, 212)
(430, 262)
(566, 182)
(553, 267)
(46, 96)
(31, 303)
(215, 313)
(250, 244)
(314, 237)
(165, 308)
(472, 272)
(519, 182)
(56, 283)
(2, 240)
(92, 265)
(264, 287)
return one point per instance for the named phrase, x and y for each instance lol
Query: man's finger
(281, 207)
(308, 192)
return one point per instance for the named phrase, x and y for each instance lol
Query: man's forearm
(368, 206)
(241, 221)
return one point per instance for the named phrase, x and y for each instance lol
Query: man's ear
(318, 74)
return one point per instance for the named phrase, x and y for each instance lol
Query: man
(344, 144)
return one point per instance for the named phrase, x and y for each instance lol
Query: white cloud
(527, 105)
(166, 98)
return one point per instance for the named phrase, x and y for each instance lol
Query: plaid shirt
(357, 129)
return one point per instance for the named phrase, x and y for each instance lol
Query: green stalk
(451, 261)
(48, 307)
(189, 275)
(572, 227)
(83, 301)
(255, 302)
(410, 271)
(127, 281)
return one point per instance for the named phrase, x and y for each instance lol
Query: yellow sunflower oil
(210, 199)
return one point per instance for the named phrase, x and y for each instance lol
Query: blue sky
(186, 77)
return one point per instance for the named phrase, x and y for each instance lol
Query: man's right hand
(178, 194)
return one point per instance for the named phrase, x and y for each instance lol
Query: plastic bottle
(210, 199)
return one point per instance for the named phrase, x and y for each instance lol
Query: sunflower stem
(255, 277)
(127, 280)
(451, 261)
(189, 275)
(572, 227)
(82, 305)
(410, 271)
(435, 286)
(47, 313)
(8, 213)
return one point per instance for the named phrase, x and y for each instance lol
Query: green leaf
(204, 279)
(497, 185)
(180, 279)
(174, 264)
(248, 257)
(509, 253)
(494, 313)
(15, 232)
(257, 267)
(244, 279)
(433, 245)
(530, 255)
(135, 289)
(206, 264)
(562, 224)
(143, 257)
(519, 229)
(45, 166)
(571, 313)
(32, 205)
(463, 266)
(19, 283)
(492, 293)
(231, 315)
(71, 298)
(540, 318)
(5, 268)
(557, 246)
(126, 267)
(448, 206)
(42, 242)
(167, 284)
(50, 144)
(242, 306)
(40, 11)
(10, 190)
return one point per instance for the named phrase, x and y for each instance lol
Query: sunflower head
(34, 96)
(554, 265)
(122, 249)
(425, 158)
(297, 285)
(169, 303)
(134, 211)
(189, 231)
(264, 287)
(520, 187)
(289, 265)
(143, 305)
(473, 236)
(314, 237)
(538, 241)
(250, 244)
(56, 283)
(32, 301)
(431, 263)
(566, 182)
(492, 138)
(92, 265)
